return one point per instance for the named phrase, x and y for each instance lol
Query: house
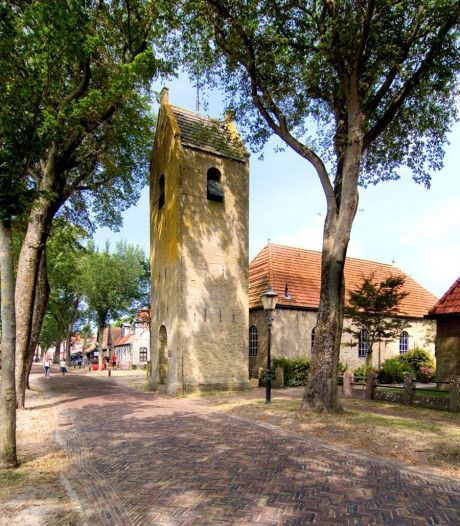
(295, 274)
(132, 347)
(446, 313)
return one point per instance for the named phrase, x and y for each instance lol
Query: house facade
(132, 348)
(446, 314)
(295, 274)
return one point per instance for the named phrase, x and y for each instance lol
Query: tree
(113, 284)
(376, 81)
(63, 252)
(374, 307)
(77, 77)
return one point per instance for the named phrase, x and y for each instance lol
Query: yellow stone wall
(199, 262)
(291, 337)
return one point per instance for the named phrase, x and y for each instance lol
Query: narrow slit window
(313, 332)
(161, 198)
(215, 191)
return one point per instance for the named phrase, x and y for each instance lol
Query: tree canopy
(358, 89)
(113, 284)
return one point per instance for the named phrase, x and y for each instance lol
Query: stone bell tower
(199, 183)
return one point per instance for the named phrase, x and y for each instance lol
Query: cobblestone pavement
(145, 459)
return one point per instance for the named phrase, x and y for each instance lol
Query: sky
(397, 221)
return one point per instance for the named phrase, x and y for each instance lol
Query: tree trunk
(68, 344)
(40, 303)
(8, 458)
(57, 352)
(321, 393)
(26, 284)
(100, 332)
(321, 389)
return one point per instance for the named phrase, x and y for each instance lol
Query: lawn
(414, 436)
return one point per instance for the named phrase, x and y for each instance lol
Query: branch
(394, 70)
(361, 52)
(406, 90)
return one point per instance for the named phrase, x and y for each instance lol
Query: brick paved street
(144, 459)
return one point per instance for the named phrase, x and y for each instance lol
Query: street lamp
(269, 298)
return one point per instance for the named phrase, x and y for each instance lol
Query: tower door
(163, 356)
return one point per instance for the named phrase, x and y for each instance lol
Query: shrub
(393, 369)
(295, 370)
(416, 359)
(360, 372)
(425, 374)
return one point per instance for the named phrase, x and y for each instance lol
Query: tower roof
(210, 135)
(295, 274)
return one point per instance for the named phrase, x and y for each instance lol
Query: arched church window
(363, 344)
(313, 331)
(252, 341)
(215, 190)
(403, 342)
(161, 198)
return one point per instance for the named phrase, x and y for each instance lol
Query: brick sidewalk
(143, 459)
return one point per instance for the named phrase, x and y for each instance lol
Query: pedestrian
(47, 365)
(63, 367)
(114, 361)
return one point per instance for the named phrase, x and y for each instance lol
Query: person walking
(47, 365)
(63, 367)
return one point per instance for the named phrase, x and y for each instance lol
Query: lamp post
(269, 298)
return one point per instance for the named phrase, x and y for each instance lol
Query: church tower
(199, 184)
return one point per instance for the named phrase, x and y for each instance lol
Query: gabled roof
(299, 271)
(449, 303)
(123, 340)
(210, 135)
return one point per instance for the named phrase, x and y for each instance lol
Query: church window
(363, 344)
(252, 341)
(313, 331)
(215, 192)
(143, 354)
(403, 342)
(161, 198)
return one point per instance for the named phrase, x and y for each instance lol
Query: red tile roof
(123, 340)
(450, 302)
(300, 270)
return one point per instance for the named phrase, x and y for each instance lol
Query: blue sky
(399, 220)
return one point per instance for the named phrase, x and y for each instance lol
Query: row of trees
(375, 79)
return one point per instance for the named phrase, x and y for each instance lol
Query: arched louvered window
(252, 341)
(215, 192)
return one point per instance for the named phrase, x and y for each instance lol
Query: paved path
(143, 459)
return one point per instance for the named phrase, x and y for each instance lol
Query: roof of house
(297, 272)
(449, 303)
(123, 340)
(210, 135)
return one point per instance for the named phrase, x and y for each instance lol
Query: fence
(408, 394)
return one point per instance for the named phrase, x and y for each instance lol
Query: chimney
(164, 96)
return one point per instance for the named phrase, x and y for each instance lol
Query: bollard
(347, 379)
(370, 385)
(408, 394)
(453, 394)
